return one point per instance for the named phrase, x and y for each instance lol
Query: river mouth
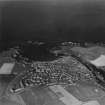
(33, 50)
(38, 52)
(43, 50)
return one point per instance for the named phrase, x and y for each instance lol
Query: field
(55, 95)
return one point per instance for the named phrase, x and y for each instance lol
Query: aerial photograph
(52, 52)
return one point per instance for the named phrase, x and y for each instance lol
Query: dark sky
(54, 20)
